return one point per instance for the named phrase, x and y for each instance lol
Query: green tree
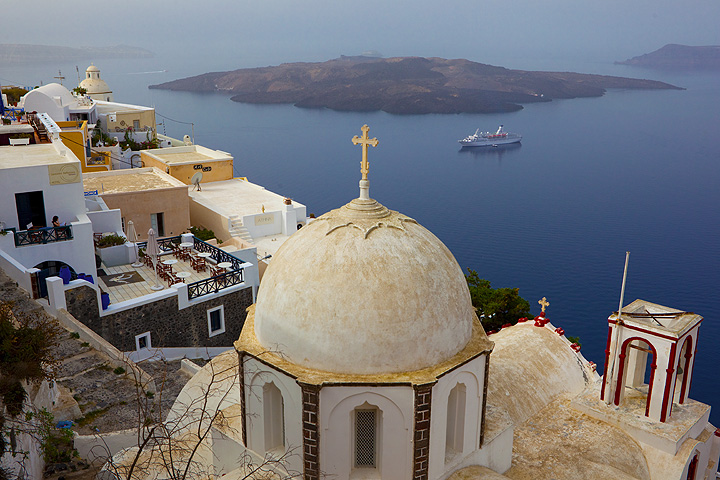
(495, 306)
(14, 94)
(27, 355)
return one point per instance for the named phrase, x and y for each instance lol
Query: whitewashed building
(59, 104)
(38, 182)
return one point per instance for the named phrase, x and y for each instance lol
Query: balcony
(204, 268)
(40, 236)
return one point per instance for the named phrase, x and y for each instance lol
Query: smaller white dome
(95, 86)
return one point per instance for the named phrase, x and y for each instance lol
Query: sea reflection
(499, 151)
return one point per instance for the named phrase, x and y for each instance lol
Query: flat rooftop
(182, 157)
(238, 197)
(34, 155)
(188, 154)
(132, 180)
(658, 318)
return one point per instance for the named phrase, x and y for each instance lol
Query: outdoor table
(170, 261)
(186, 245)
(183, 274)
(225, 265)
(204, 254)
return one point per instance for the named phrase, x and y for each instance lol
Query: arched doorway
(49, 268)
(638, 362)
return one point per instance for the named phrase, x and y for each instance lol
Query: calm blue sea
(633, 170)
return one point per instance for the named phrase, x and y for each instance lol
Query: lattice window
(365, 438)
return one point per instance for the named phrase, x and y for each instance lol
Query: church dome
(95, 86)
(364, 290)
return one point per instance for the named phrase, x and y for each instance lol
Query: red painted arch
(621, 372)
(686, 368)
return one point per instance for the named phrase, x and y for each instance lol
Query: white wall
(256, 376)
(395, 434)
(66, 201)
(266, 229)
(106, 221)
(472, 376)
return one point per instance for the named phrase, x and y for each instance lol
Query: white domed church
(95, 86)
(363, 358)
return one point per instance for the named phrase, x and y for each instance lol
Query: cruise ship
(487, 139)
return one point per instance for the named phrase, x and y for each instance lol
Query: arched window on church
(367, 425)
(692, 468)
(454, 430)
(274, 416)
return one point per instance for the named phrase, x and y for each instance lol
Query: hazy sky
(226, 34)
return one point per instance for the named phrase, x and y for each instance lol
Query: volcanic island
(404, 85)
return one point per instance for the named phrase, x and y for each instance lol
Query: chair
(198, 264)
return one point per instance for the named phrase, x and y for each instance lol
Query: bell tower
(649, 358)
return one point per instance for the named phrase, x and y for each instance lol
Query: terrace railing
(215, 284)
(40, 236)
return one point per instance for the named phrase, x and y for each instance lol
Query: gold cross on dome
(364, 141)
(543, 303)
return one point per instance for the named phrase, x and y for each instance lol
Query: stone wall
(168, 326)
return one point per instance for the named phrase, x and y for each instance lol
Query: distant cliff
(14, 53)
(403, 85)
(679, 56)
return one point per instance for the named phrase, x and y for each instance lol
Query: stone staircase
(237, 229)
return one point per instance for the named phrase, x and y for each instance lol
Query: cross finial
(543, 303)
(364, 141)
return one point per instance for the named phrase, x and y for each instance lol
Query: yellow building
(185, 162)
(74, 135)
(147, 196)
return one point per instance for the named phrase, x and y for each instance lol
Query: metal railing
(43, 235)
(215, 284)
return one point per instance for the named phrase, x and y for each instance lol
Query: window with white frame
(216, 321)
(142, 341)
(454, 430)
(366, 437)
(274, 417)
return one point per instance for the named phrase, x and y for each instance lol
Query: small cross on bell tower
(365, 141)
(543, 304)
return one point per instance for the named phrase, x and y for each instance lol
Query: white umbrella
(153, 250)
(133, 237)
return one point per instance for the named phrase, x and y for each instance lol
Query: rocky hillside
(403, 85)
(679, 56)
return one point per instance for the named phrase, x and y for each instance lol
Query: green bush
(119, 371)
(110, 241)
(203, 234)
